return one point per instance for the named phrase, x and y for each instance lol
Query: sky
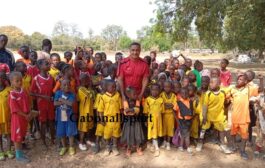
(41, 15)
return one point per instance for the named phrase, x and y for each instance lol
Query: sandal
(140, 152)
(63, 151)
(128, 152)
(9, 154)
(2, 156)
(71, 151)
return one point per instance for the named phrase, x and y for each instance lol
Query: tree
(15, 36)
(175, 17)
(74, 30)
(150, 38)
(36, 40)
(245, 26)
(124, 42)
(90, 33)
(60, 28)
(223, 24)
(112, 34)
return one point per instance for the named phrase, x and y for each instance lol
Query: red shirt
(18, 102)
(42, 86)
(77, 74)
(133, 72)
(226, 78)
(4, 68)
(32, 70)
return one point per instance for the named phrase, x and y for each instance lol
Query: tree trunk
(260, 54)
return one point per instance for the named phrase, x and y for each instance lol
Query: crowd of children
(78, 99)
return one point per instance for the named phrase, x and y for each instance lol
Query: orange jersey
(72, 85)
(240, 101)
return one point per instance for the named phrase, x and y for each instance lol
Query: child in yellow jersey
(154, 107)
(26, 80)
(213, 113)
(54, 71)
(110, 105)
(4, 117)
(100, 125)
(170, 100)
(197, 118)
(192, 89)
(86, 114)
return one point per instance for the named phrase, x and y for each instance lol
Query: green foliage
(124, 42)
(224, 24)
(36, 40)
(111, 34)
(245, 25)
(152, 39)
(15, 36)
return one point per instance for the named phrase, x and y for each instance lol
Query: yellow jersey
(54, 72)
(26, 83)
(215, 105)
(4, 107)
(172, 99)
(109, 104)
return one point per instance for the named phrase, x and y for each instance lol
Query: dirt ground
(211, 156)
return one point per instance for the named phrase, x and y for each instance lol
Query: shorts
(66, 129)
(46, 112)
(184, 133)
(19, 126)
(241, 129)
(4, 128)
(219, 125)
(112, 129)
(100, 130)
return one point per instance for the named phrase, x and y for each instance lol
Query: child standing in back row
(55, 59)
(24, 52)
(26, 79)
(32, 68)
(154, 108)
(68, 58)
(225, 75)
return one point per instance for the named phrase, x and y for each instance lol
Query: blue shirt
(7, 58)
